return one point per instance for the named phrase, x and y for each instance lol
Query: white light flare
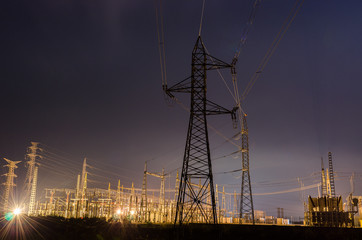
(16, 211)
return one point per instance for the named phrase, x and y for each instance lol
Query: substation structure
(327, 210)
(125, 203)
(158, 205)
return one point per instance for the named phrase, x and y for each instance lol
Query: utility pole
(246, 199)
(197, 160)
(174, 202)
(235, 207)
(109, 201)
(217, 202)
(223, 202)
(118, 199)
(144, 210)
(132, 199)
(84, 196)
(9, 185)
(176, 185)
(84, 172)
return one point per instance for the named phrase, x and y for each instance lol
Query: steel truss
(196, 183)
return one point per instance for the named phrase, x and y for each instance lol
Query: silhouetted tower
(331, 175)
(197, 160)
(246, 198)
(9, 184)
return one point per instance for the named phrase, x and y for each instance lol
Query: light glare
(17, 211)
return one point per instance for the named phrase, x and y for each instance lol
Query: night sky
(83, 79)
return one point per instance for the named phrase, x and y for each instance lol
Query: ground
(98, 229)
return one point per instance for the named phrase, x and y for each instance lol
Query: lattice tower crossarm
(246, 198)
(192, 201)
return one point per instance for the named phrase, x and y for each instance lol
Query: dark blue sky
(83, 77)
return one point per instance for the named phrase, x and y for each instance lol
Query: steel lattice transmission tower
(9, 184)
(331, 175)
(31, 209)
(32, 156)
(31, 176)
(246, 199)
(192, 203)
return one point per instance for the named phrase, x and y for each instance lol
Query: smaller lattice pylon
(9, 184)
(246, 197)
(331, 175)
(32, 156)
(31, 210)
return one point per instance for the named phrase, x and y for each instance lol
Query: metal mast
(246, 199)
(223, 202)
(331, 175)
(161, 205)
(9, 182)
(144, 210)
(217, 202)
(196, 165)
(118, 199)
(235, 207)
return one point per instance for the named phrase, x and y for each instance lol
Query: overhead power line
(286, 24)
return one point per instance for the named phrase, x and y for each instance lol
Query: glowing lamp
(132, 212)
